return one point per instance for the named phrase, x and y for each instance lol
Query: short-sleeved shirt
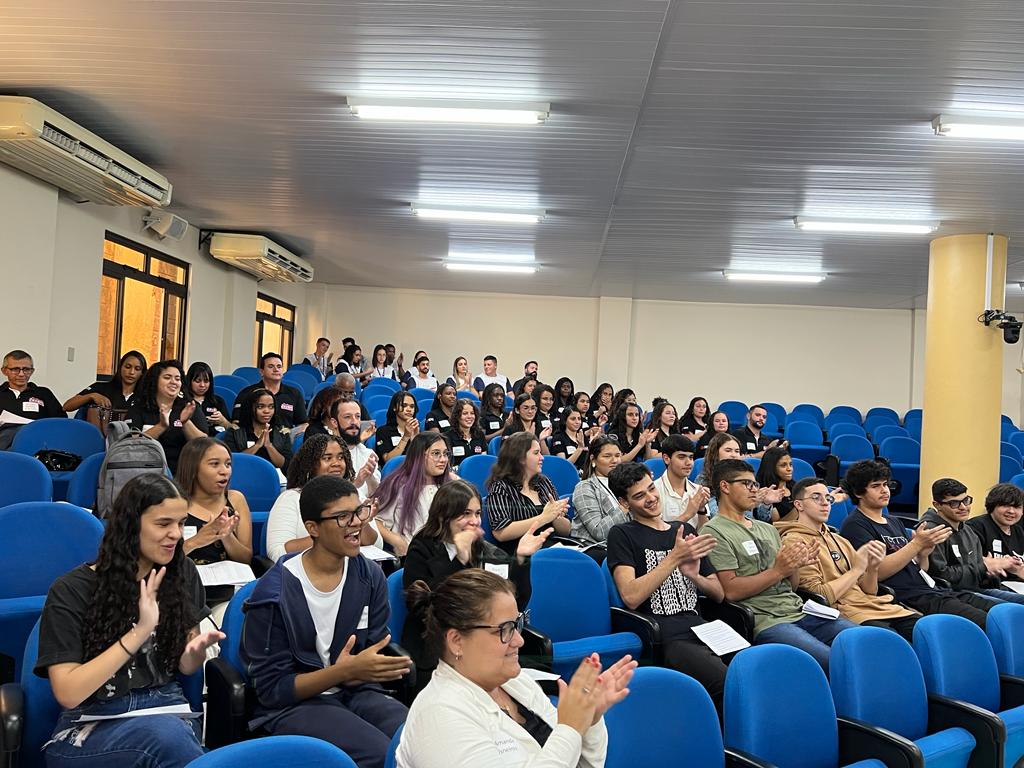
(996, 543)
(483, 381)
(562, 443)
(673, 602)
(111, 390)
(659, 437)
(34, 403)
(461, 448)
(387, 439)
(491, 422)
(437, 419)
(173, 438)
(907, 582)
(749, 443)
(211, 404)
(61, 636)
(288, 402)
(748, 552)
(688, 425)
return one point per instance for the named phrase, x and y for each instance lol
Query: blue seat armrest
(814, 597)
(12, 720)
(860, 741)
(735, 758)
(227, 704)
(1011, 689)
(987, 728)
(537, 651)
(404, 689)
(644, 627)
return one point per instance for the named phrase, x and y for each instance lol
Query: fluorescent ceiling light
(506, 216)
(774, 277)
(866, 226)
(511, 269)
(450, 111)
(522, 257)
(979, 126)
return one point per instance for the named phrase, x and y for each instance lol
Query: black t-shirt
(461, 449)
(859, 529)
(173, 438)
(288, 402)
(211, 404)
(111, 390)
(387, 439)
(674, 602)
(34, 403)
(688, 425)
(61, 638)
(996, 543)
(491, 422)
(562, 443)
(437, 419)
(626, 444)
(749, 443)
(655, 444)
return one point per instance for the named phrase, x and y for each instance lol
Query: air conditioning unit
(45, 144)
(260, 256)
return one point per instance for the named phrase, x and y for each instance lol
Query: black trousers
(685, 653)
(903, 625)
(970, 605)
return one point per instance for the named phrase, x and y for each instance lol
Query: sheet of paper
(720, 637)
(560, 545)
(540, 675)
(225, 572)
(282, 479)
(1014, 586)
(821, 611)
(6, 418)
(181, 710)
(371, 552)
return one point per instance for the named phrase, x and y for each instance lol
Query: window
(275, 328)
(142, 304)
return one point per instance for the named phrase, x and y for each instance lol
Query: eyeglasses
(361, 513)
(438, 454)
(19, 370)
(818, 498)
(750, 485)
(506, 628)
(966, 501)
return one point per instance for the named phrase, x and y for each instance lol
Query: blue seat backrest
(614, 598)
(562, 473)
(778, 411)
(85, 480)
(1017, 440)
(494, 447)
(232, 626)
(1004, 626)
(781, 679)
(380, 416)
(1008, 467)
(476, 469)
(420, 392)
(41, 708)
(230, 396)
(736, 411)
(391, 465)
(248, 373)
(276, 751)
(390, 760)
(845, 428)
(852, 448)
(423, 408)
(803, 433)
(811, 412)
(1009, 449)
(389, 385)
(901, 450)
(839, 512)
(232, 382)
(893, 695)
(957, 660)
(71, 435)
(841, 417)
(884, 431)
(375, 402)
(257, 479)
(849, 411)
(396, 599)
(570, 599)
(912, 414)
(657, 466)
(304, 382)
(24, 478)
(1017, 480)
(801, 469)
(886, 413)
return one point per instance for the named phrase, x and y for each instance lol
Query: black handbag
(59, 461)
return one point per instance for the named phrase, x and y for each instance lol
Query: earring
(458, 657)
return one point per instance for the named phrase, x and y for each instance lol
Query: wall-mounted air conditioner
(260, 256)
(45, 144)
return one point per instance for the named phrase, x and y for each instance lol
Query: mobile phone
(364, 425)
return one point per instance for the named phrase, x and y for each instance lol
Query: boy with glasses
(846, 577)
(21, 401)
(905, 566)
(761, 572)
(315, 632)
(961, 559)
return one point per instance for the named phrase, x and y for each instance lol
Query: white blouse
(389, 515)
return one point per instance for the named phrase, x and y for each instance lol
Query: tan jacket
(835, 557)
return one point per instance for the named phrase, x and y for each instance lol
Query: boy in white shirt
(681, 498)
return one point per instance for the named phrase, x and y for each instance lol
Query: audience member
(846, 577)
(395, 362)
(528, 386)
(601, 404)
(114, 634)
(404, 496)
(260, 431)
(316, 626)
(321, 409)
(529, 374)
(464, 437)
(681, 498)
(401, 427)
(663, 422)
(597, 508)
(21, 401)
(158, 411)
(753, 442)
(775, 474)
(718, 422)
(757, 570)
(633, 439)
(564, 391)
(722, 446)
(1000, 528)
(523, 418)
(420, 377)
(660, 568)
(905, 567)
(364, 461)
(345, 383)
(289, 402)
(352, 362)
(199, 386)
(491, 376)
(622, 397)
(581, 403)
(320, 358)
(544, 396)
(380, 367)
(492, 411)
(104, 399)
(519, 498)
(439, 418)
(694, 422)
(480, 708)
(462, 378)
(571, 441)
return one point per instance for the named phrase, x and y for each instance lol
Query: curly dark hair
(115, 605)
(145, 389)
(306, 461)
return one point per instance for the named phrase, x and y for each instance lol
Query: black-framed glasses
(506, 628)
(966, 501)
(818, 498)
(361, 513)
(750, 485)
(20, 369)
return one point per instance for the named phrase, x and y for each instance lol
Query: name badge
(506, 746)
(287, 407)
(250, 443)
(751, 446)
(177, 422)
(750, 547)
(499, 569)
(444, 423)
(997, 546)
(569, 450)
(29, 407)
(956, 550)
(493, 424)
(927, 579)
(147, 427)
(190, 531)
(458, 450)
(364, 618)
(545, 423)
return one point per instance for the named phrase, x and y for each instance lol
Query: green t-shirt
(748, 552)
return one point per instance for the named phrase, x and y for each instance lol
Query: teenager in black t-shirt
(464, 437)
(1000, 529)
(544, 396)
(717, 422)
(492, 411)
(199, 386)
(158, 411)
(115, 394)
(523, 418)
(260, 431)
(664, 423)
(393, 438)
(439, 418)
(694, 421)
(631, 436)
(114, 634)
(572, 440)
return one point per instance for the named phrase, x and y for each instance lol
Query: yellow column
(963, 367)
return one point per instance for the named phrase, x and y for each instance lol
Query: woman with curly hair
(159, 410)
(114, 633)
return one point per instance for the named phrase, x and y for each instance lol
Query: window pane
(142, 323)
(271, 338)
(256, 344)
(122, 254)
(172, 332)
(262, 305)
(108, 326)
(286, 346)
(284, 313)
(167, 271)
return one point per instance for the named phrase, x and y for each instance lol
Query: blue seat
(423, 408)
(39, 542)
(840, 428)
(391, 465)
(778, 411)
(78, 437)
(396, 599)
(421, 392)
(304, 381)
(509, 403)
(562, 473)
(570, 605)
(278, 751)
(476, 469)
(391, 760)
(380, 417)
(772, 428)
(1017, 440)
(1009, 449)
(258, 480)
(885, 431)
(379, 402)
(1009, 468)
(698, 466)
(1006, 430)
(736, 411)
(249, 373)
(850, 449)
(805, 440)
(959, 664)
(802, 469)
(886, 413)
(1004, 626)
(904, 455)
(914, 428)
(839, 512)
(373, 385)
(469, 396)
(780, 679)
(893, 695)
(494, 446)
(228, 380)
(224, 672)
(632, 742)
(840, 417)
(324, 385)
(913, 414)
(848, 411)
(230, 396)
(24, 478)
(1017, 480)
(808, 412)
(871, 423)
(85, 481)
(657, 466)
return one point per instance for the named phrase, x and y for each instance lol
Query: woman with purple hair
(403, 497)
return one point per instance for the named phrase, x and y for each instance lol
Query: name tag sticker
(396, 440)
(287, 407)
(494, 424)
(443, 423)
(499, 569)
(750, 547)
(927, 579)
(956, 550)
(569, 450)
(458, 450)
(545, 423)
(751, 446)
(364, 618)
(29, 407)
(190, 531)
(250, 443)
(177, 422)
(506, 746)
(997, 546)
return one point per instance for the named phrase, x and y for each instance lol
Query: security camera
(1009, 324)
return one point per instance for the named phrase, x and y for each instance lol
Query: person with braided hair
(114, 634)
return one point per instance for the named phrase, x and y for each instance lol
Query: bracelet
(125, 648)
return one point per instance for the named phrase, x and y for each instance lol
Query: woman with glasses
(524, 419)
(480, 708)
(464, 437)
(404, 497)
(115, 633)
(260, 432)
(450, 541)
(632, 438)
(597, 509)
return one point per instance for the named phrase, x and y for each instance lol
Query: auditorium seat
(377, 402)
(778, 411)
(421, 392)
(476, 469)
(248, 373)
(805, 440)
(840, 428)
(886, 413)
(736, 411)
(904, 455)
(1009, 449)
(846, 410)
(373, 385)
(885, 431)
(227, 380)
(303, 380)
(562, 473)
(657, 466)
(85, 481)
(850, 449)
(1004, 626)
(396, 599)
(24, 478)
(1009, 467)
(259, 481)
(494, 446)
(808, 412)
(391, 465)
(78, 437)
(276, 751)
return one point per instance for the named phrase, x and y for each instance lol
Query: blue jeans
(153, 741)
(809, 634)
(1002, 595)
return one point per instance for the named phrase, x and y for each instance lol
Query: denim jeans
(809, 634)
(1002, 595)
(153, 741)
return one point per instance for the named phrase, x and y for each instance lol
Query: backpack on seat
(129, 453)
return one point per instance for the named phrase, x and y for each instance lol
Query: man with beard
(364, 460)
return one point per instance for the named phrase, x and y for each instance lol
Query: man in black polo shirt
(289, 402)
(20, 399)
(752, 442)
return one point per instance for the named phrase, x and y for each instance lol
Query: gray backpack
(129, 453)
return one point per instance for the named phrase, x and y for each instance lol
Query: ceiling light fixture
(980, 126)
(498, 216)
(523, 257)
(866, 226)
(773, 277)
(512, 269)
(450, 111)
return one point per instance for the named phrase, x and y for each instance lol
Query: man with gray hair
(346, 382)
(21, 401)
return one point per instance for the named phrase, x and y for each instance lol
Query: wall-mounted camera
(1009, 324)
